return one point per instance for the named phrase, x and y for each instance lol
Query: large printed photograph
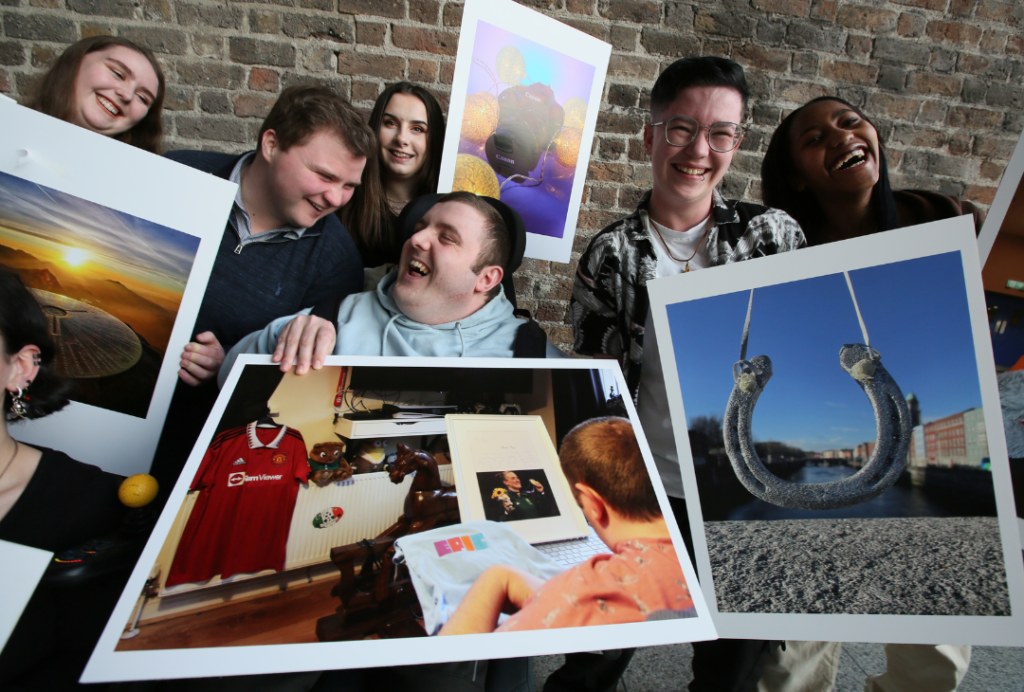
(119, 266)
(1003, 276)
(525, 97)
(837, 426)
(110, 284)
(325, 510)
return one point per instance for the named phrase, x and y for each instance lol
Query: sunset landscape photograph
(109, 283)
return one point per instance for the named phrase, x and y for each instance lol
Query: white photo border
(109, 665)
(68, 158)
(951, 235)
(553, 34)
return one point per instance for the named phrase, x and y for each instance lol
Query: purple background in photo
(543, 207)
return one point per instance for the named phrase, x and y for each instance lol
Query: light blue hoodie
(370, 324)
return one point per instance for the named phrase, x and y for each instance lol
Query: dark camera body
(528, 117)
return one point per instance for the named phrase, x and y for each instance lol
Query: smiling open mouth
(418, 267)
(108, 105)
(852, 159)
(690, 171)
(317, 206)
(400, 154)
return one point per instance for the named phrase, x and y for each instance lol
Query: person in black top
(48, 501)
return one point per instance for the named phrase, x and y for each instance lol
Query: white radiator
(371, 503)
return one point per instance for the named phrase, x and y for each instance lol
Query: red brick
(371, 33)
(446, 73)
(991, 171)
(422, 70)
(799, 92)
(5, 82)
(253, 105)
(794, 8)
(634, 66)
(261, 79)
(604, 196)
(379, 8)
(365, 91)
(90, 29)
(364, 64)
(963, 116)
(610, 172)
(550, 312)
(894, 106)
(752, 54)
(954, 32)
(581, 6)
(1015, 45)
(934, 84)
(428, 40)
(858, 46)
(980, 194)
(997, 10)
(938, 5)
(824, 9)
(910, 24)
(864, 18)
(637, 11)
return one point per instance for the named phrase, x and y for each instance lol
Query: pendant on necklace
(686, 268)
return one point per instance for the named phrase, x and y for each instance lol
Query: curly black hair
(22, 323)
(778, 173)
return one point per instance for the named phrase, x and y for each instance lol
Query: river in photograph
(901, 500)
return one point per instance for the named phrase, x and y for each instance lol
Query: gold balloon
(511, 65)
(575, 113)
(479, 117)
(567, 146)
(472, 174)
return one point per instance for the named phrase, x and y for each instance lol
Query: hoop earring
(19, 409)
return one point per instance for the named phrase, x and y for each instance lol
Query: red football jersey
(248, 481)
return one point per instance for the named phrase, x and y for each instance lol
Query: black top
(64, 504)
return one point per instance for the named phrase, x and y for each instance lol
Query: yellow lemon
(138, 490)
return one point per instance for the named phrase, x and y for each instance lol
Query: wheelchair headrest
(415, 210)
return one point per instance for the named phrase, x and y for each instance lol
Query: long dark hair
(22, 323)
(55, 94)
(778, 173)
(367, 215)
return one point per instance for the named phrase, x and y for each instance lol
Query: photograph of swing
(841, 445)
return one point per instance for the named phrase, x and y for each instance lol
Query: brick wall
(941, 78)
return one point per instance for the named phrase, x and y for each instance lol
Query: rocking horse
(379, 600)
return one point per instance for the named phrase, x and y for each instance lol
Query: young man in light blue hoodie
(444, 299)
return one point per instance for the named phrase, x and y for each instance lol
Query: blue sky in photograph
(146, 251)
(916, 315)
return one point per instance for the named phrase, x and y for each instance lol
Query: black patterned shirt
(609, 299)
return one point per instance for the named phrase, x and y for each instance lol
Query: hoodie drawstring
(462, 337)
(387, 328)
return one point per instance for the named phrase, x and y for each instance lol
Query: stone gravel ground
(918, 566)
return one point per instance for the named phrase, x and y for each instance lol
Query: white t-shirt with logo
(652, 400)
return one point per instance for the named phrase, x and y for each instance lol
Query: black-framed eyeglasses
(722, 137)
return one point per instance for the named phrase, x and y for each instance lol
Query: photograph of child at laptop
(516, 495)
(640, 580)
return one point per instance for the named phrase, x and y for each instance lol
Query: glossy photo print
(1003, 275)
(842, 446)
(110, 284)
(337, 514)
(524, 104)
(119, 265)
